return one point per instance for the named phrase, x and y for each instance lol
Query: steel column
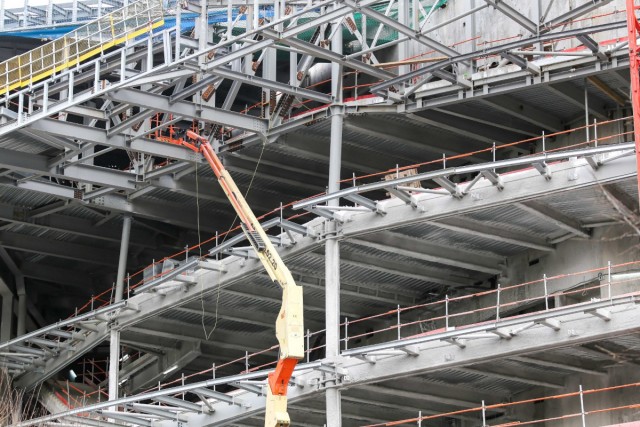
(114, 342)
(7, 317)
(632, 28)
(21, 327)
(332, 246)
(122, 261)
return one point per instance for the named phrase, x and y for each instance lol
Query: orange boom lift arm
(289, 324)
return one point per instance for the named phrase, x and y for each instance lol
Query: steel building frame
(147, 76)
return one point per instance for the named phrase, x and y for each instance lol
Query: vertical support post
(114, 343)
(586, 110)
(498, 304)
(446, 313)
(45, 97)
(6, 322)
(123, 64)
(269, 67)
(122, 260)
(149, 54)
(49, 13)
(308, 345)
(609, 279)
(20, 108)
(346, 333)
(71, 80)
(332, 246)
(403, 48)
(21, 327)
(595, 132)
(74, 12)
(632, 29)
(583, 416)
(256, 13)
(398, 320)
(178, 30)
(1, 15)
(484, 415)
(546, 292)
(96, 77)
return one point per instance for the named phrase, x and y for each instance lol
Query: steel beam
(272, 84)
(58, 275)
(576, 96)
(583, 9)
(72, 225)
(58, 248)
(102, 137)
(514, 15)
(412, 247)
(319, 52)
(188, 109)
(523, 111)
(481, 229)
(401, 269)
(561, 221)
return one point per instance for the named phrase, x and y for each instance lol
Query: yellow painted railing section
(81, 44)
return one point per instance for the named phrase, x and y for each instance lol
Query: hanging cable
(207, 335)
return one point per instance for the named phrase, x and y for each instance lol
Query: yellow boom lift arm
(289, 324)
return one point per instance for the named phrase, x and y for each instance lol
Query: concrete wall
(480, 29)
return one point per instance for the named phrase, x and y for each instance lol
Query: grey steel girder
(189, 109)
(102, 137)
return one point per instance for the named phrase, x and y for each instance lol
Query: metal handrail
(82, 43)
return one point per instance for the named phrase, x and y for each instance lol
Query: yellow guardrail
(85, 42)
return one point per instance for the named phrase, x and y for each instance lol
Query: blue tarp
(188, 22)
